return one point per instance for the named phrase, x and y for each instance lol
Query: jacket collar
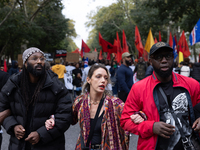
(174, 79)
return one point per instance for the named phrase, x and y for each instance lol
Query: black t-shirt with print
(179, 102)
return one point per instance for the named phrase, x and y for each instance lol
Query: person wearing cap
(32, 96)
(124, 76)
(160, 96)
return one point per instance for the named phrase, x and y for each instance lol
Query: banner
(60, 53)
(72, 57)
(48, 56)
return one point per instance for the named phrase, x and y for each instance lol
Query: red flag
(170, 40)
(184, 45)
(100, 55)
(125, 46)
(155, 40)
(84, 48)
(5, 66)
(138, 42)
(108, 56)
(160, 37)
(76, 51)
(119, 49)
(95, 50)
(145, 55)
(106, 46)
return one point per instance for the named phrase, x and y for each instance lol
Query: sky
(77, 10)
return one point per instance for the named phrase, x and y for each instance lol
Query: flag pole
(194, 53)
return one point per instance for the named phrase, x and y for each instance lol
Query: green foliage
(42, 25)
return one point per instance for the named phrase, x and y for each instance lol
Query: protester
(85, 71)
(77, 82)
(68, 77)
(32, 96)
(14, 68)
(195, 73)
(184, 69)
(59, 69)
(140, 68)
(107, 134)
(167, 100)
(4, 77)
(124, 77)
(113, 77)
(149, 71)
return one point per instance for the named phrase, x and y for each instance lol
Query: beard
(34, 71)
(128, 63)
(163, 74)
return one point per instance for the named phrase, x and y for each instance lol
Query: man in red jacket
(167, 99)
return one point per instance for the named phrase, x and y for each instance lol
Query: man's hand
(19, 131)
(136, 118)
(196, 125)
(163, 129)
(33, 138)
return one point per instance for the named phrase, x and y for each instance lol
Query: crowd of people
(158, 101)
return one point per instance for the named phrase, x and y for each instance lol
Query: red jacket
(143, 97)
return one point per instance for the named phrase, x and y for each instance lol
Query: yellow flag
(180, 57)
(149, 42)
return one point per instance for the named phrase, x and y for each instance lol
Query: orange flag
(100, 55)
(125, 46)
(155, 40)
(76, 51)
(184, 46)
(95, 50)
(170, 40)
(138, 42)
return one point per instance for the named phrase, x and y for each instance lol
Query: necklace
(95, 102)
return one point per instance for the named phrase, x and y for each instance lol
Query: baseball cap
(158, 46)
(126, 54)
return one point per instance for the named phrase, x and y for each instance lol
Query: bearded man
(124, 76)
(167, 99)
(32, 96)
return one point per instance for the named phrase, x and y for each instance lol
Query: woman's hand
(49, 124)
(136, 118)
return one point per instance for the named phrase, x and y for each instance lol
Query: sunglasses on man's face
(159, 57)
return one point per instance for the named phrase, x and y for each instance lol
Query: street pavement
(71, 136)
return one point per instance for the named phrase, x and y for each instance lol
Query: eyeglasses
(42, 59)
(167, 56)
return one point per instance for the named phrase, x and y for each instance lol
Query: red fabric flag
(145, 55)
(155, 40)
(100, 55)
(160, 37)
(95, 50)
(170, 40)
(125, 46)
(5, 66)
(184, 45)
(119, 49)
(76, 51)
(106, 46)
(108, 56)
(138, 42)
(84, 48)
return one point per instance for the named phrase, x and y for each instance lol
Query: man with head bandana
(162, 96)
(125, 76)
(32, 96)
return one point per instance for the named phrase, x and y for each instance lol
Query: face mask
(115, 66)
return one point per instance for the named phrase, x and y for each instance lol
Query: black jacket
(53, 99)
(195, 73)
